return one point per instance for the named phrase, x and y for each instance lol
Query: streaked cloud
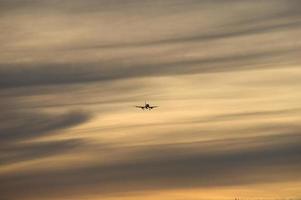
(226, 75)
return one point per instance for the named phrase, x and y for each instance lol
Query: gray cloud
(15, 153)
(207, 37)
(273, 17)
(54, 74)
(173, 167)
(19, 126)
(79, 53)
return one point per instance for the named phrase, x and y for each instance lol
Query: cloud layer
(226, 75)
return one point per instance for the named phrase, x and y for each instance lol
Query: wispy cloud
(176, 166)
(225, 73)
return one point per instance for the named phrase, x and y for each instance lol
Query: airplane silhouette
(146, 106)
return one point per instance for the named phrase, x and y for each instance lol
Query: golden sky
(226, 75)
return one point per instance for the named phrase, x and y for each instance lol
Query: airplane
(146, 106)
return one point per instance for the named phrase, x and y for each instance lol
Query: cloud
(174, 166)
(18, 126)
(56, 74)
(15, 153)
(68, 63)
(264, 40)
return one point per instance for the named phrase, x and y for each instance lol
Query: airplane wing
(151, 107)
(140, 107)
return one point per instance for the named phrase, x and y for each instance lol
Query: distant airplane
(146, 106)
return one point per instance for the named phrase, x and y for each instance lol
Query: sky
(225, 74)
